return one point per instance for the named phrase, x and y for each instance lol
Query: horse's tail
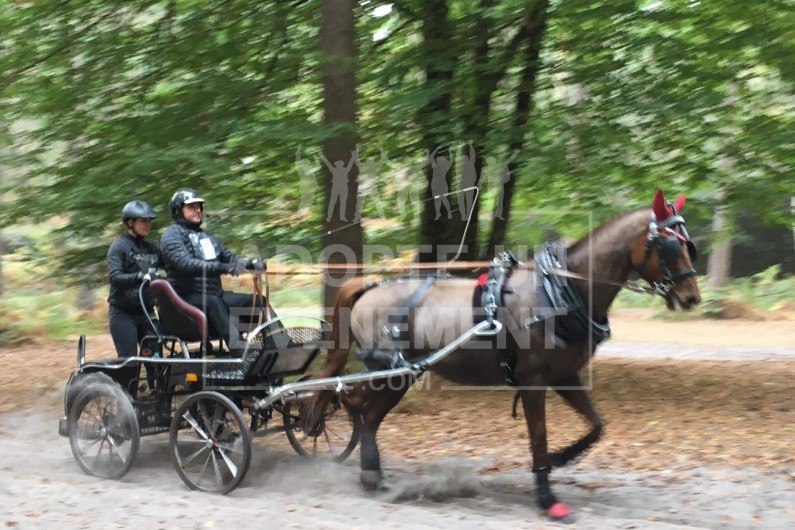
(313, 409)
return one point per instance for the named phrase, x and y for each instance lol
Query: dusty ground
(702, 423)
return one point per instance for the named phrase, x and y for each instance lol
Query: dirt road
(41, 487)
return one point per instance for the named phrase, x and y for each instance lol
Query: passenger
(129, 258)
(194, 262)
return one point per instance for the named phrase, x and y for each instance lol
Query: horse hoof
(560, 512)
(370, 479)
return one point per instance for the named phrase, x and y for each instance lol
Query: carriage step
(155, 429)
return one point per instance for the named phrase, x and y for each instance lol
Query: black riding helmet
(136, 210)
(181, 198)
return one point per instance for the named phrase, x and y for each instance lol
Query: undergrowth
(36, 305)
(762, 292)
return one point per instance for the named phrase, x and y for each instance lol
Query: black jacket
(129, 256)
(195, 259)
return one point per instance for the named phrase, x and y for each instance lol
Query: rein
(257, 294)
(632, 286)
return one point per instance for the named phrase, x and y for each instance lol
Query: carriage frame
(213, 407)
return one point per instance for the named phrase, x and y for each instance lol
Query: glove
(257, 265)
(150, 275)
(241, 265)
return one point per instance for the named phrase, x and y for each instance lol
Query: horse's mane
(606, 226)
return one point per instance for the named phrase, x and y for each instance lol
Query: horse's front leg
(573, 392)
(534, 405)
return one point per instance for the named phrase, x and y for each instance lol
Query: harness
(492, 285)
(559, 303)
(489, 296)
(558, 298)
(669, 249)
(395, 330)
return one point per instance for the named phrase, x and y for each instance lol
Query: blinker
(691, 250)
(669, 248)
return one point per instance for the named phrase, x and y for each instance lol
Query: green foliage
(29, 315)
(762, 291)
(675, 94)
(105, 101)
(152, 96)
(37, 305)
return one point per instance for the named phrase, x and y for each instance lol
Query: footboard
(285, 346)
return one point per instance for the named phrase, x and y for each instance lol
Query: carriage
(211, 407)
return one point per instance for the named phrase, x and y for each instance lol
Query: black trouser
(226, 314)
(127, 329)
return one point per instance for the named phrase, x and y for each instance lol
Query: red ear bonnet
(679, 203)
(660, 209)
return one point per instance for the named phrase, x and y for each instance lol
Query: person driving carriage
(195, 260)
(130, 256)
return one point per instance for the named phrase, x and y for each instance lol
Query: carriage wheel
(334, 438)
(103, 430)
(209, 442)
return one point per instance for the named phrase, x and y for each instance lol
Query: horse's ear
(658, 206)
(679, 203)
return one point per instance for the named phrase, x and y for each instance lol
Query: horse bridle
(668, 249)
(669, 236)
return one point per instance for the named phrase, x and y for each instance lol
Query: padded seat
(178, 318)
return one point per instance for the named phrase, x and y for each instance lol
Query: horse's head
(663, 255)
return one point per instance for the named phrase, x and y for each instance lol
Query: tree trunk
(437, 236)
(476, 126)
(720, 259)
(537, 22)
(343, 242)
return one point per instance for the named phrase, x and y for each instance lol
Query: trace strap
(394, 330)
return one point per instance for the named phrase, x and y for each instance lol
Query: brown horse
(529, 352)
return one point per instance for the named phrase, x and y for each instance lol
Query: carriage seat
(178, 317)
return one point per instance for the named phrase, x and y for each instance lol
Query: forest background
(562, 113)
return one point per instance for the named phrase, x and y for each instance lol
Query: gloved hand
(240, 266)
(257, 265)
(150, 275)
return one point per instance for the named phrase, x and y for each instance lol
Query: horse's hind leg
(376, 400)
(572, 391)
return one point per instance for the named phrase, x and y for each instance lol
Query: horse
(528, 353)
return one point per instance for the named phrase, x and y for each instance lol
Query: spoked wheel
(209, 442)
(103, 430)
(334, 438)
